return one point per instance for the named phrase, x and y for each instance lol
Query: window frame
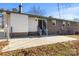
(64, 23)
(54, 22)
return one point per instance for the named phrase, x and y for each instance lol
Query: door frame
(46, 30)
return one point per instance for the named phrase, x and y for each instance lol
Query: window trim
(54, 22)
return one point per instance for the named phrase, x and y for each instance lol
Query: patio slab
(21, 43)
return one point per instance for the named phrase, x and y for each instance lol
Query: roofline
(31, 15)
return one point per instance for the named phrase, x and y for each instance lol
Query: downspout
(46, 27)
(5, 24)
(8, 25)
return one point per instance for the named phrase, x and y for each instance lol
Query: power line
(60, 10)
(62, 7)
(58, 5)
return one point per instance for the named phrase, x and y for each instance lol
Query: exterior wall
(60, 29)
(72, 27)
(19, 23)
(51, 29)
(32, 24)
(22, 24)
(76, 27)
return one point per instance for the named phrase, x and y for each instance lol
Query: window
(68, 23)
(35, 19)
(53, 22)
(64, 23)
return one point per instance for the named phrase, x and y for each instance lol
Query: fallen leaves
(59, 49)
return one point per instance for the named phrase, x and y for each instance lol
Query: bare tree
(76, 19)
(36, 11)
(1, 10)
(14, 10)
(50, 17)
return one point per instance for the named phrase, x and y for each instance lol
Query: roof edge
(31, 15)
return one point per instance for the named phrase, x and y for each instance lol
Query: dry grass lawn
(70, 48)
(58, 49)
(3, 44)
(74, 36)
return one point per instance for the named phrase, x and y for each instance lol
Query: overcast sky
(67, 10)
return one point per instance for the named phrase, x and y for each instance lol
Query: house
(21, 24)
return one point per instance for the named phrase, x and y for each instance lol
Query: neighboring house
(21, 24)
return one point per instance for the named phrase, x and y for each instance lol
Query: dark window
(35, 19)
(63, 24)
(53, 23)
(68, 24)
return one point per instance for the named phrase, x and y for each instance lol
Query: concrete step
(2, 35)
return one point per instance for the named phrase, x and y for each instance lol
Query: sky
(68, 11)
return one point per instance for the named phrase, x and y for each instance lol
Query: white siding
(19, 22)
(33, 24)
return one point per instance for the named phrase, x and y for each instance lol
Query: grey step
(2, 35)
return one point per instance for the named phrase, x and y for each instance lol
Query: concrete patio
(21, 43)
